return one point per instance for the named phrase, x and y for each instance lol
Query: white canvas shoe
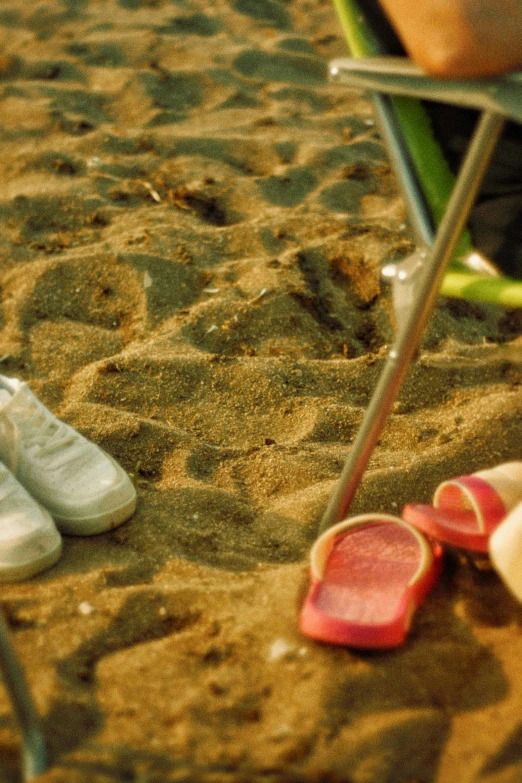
(29, 540)
(82, 487)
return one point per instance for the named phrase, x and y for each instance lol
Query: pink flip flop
(466, 510)
(369, 574)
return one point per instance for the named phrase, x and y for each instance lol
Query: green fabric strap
(432, 169)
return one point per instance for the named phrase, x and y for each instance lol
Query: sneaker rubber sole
(94, 524)
(43, 556)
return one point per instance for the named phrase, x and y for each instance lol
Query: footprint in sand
(267, 11)
(281, 67)
(192, 24)
(175, 94)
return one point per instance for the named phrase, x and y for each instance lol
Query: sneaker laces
(12, 493)
(46, 433)
(44, 436)
(7, 487)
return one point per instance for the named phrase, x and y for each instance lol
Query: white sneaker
(29, 540)
(83, 488)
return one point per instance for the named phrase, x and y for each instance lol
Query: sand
(192, 225)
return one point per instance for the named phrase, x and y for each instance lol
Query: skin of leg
(459, 38)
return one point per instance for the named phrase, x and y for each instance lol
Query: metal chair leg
(416, 207)
(403, 350)
(34, 751)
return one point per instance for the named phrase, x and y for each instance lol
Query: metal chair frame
(34, 749)
(497, 99)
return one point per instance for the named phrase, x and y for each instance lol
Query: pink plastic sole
(453, 523)
(364, 599)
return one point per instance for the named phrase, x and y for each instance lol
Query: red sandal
(369, 575)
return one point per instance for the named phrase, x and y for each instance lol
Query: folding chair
(444, 260)
(34, 751)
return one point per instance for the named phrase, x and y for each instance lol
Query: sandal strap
(472, 493)
(326, 542)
